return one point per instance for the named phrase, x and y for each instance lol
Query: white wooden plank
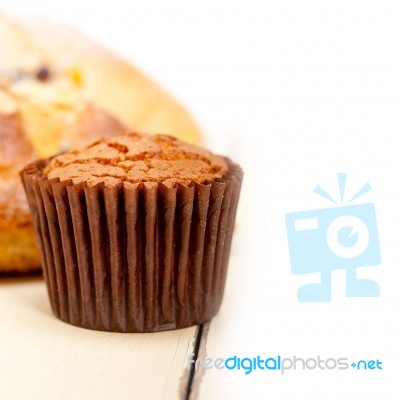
(44, 358)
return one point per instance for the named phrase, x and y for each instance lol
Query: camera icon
(324, 240)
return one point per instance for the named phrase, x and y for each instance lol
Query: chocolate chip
(43, 74)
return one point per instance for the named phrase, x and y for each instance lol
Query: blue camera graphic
(343, 237)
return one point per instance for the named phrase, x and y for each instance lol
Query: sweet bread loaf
(59, 90)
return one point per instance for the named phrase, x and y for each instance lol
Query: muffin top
(137, 158)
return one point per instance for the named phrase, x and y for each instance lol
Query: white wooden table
(44, 358)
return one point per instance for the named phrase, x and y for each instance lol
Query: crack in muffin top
(135, 158)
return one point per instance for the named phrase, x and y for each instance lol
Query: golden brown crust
(15, 151)
(18, 249)
(136, 158)
(14, 210)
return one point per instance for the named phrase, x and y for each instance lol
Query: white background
(296, 91)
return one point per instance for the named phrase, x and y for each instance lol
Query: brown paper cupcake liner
(137, 257)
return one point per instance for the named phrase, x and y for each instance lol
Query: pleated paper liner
(137, 257)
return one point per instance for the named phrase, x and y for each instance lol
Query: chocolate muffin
(134, 231)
